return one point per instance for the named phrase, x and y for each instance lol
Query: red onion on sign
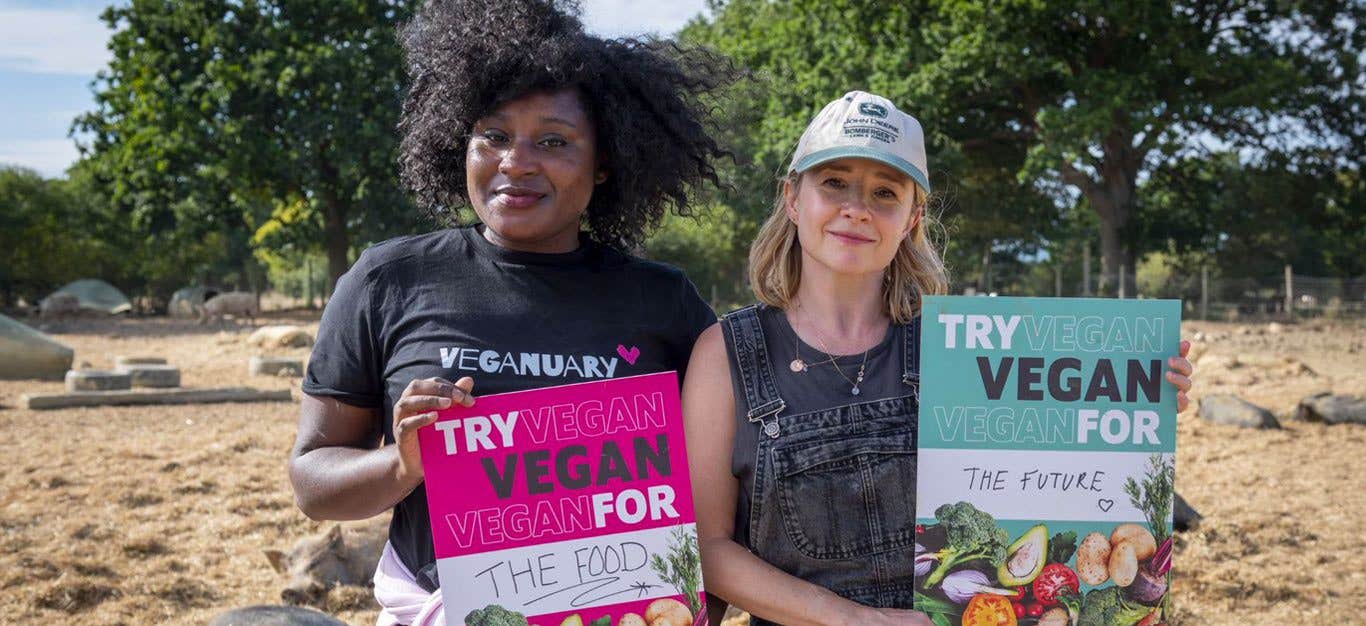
(963, 584)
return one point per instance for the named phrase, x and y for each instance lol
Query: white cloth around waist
(401, 599)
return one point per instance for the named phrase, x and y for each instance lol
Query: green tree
(1251, 219)
(221, 116)
(711, 248)
(37, 250)
(1103, 93)
(53, 231)
(807, 52)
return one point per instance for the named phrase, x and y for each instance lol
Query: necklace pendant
(854, 390)
(797, 365)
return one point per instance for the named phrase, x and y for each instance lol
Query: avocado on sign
(1046, 442)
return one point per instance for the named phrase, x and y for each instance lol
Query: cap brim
(859, 152)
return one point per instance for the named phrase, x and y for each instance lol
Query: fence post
(1086, 269)
(1057, 281)
(1123, 280)
(1204, 293)
(1289, 293)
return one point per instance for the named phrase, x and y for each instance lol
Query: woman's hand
(893, 617)
(416, 408)
(1180, 374)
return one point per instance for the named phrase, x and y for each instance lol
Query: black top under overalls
(827, 481)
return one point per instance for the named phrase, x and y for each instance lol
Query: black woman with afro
(567, 148)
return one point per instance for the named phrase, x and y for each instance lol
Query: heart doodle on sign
(630, 354)
(1105, 504)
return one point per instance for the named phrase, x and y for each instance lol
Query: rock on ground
(1231, 410)
(280, 337)
(275, 366)
(264, 615)
(1333, 409)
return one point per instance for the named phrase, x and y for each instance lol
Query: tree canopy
(1104, 94)
(234, 137)
(1035, 109)
(269, 119)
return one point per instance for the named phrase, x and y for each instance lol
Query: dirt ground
(152, 515)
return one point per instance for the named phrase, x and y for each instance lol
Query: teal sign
(1050, 422)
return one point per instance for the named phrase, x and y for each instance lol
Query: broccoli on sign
(494, 615)
(972, 535)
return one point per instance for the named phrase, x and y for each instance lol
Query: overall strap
(911, 369)
(755, 368)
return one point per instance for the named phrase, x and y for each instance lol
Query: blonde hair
(775, 260)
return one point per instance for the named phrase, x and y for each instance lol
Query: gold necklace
(798, 365)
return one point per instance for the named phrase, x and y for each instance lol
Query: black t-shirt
(452, 304)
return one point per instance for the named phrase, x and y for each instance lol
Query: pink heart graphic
(629, 354)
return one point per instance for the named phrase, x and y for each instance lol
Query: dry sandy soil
(151, 515)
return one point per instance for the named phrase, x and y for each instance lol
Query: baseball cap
(867, 126)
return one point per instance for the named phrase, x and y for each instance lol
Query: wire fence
(1204, 294)
(1293, 296)
(1288, 296)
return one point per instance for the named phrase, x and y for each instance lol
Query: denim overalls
(833, 500)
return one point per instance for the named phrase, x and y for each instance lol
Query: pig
(264, 615)
(234, 303)
(59, 304)
(344, 555)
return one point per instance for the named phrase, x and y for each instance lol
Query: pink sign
(569, 506)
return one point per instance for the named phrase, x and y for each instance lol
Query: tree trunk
(335, 238)
(1086, 269)
(1111, 254)
(255, 280)
(986, 267)
(1113, 197)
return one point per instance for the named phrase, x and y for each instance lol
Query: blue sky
(50, 51)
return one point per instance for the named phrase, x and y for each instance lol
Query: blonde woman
(801, 410)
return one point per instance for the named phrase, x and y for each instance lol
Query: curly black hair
(647, 98)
